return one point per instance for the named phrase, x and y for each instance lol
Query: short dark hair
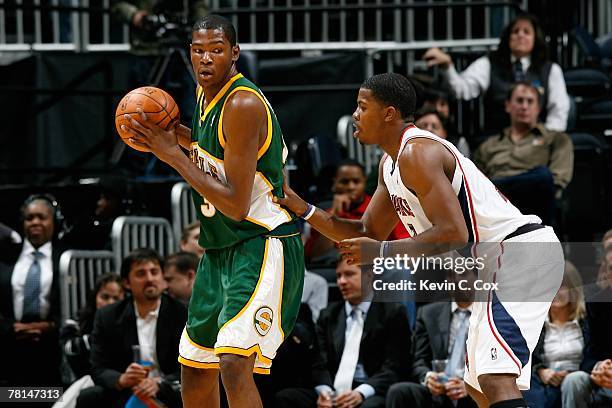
(525, 84)
(430, 110)
(183, 262)
(393, 90)
(137, 256)
(216, 22)
(351, 163)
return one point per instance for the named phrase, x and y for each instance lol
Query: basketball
(156, 103)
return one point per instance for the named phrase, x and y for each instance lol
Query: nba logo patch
(493, 353)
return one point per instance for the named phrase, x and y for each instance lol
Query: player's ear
(390, 113)
(235, 53)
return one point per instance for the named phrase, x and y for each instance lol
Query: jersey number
(207, 209)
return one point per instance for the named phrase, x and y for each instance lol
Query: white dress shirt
(365, 389)
(563, 345)
(20, 273)
(475, 80)
(147, 337)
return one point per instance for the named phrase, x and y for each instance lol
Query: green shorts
(245, 299)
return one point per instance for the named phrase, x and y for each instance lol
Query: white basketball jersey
(489, 216)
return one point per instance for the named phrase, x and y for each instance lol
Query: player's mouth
(206, 74)
(356, 130)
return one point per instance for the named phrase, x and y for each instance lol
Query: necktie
(31, 290)
(519, 74)
(350, 354)
(456, 361)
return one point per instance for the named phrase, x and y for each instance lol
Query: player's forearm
(434, 241)
(183, 134)
(335, 228)
(223, 197)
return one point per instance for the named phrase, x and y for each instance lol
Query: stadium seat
(78, 273)
(586, 208)
(183, 210)
(587, 82)
(129, 233)
(595, 115)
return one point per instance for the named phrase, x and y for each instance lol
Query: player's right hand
(435, 56)
(292, 201)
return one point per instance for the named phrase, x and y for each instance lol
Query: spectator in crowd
(437, 100)
(189, 239)
(440, 334)
(10, 243)
(315, 293)
(606, 244)
(74, 335)
(530, 164)
(29, 299)
(593, 387)
(362, 348)
(559, 354)
(179, 273)
(93, 231)
(428, 118)
(147, 318)
(521, 56)
(349, 201)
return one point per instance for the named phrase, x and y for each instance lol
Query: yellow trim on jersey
(244, 352)
(259, 370)
(272, 195)
(218, 160)
(264, 148)
(199, 91)
(218, 96)
(280, 297)
(193, 343)
(197, 364)
(261, 274)
(261, 224)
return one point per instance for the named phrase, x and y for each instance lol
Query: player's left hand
(348, 399)
(162, 143)
(359, 251)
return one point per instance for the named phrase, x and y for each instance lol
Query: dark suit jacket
(430, 341)
(115, 333)
(384, 350)
(49, 345)
(599, 346)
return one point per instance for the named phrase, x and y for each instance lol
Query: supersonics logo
(262, 320)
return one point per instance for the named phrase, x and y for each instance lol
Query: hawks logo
(262, 320)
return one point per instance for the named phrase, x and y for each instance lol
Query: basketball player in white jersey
(445, 202)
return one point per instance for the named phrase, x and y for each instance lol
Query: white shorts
(506, 323)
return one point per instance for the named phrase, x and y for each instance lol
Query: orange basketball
(158, 105)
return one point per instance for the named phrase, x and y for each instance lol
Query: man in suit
(148, 318)
(363, 346)
(29, 299)
(440, 334)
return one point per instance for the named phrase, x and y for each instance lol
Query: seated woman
(74, 335)
(560, 351)
(430, 119)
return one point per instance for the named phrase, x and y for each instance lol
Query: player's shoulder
(246, 101)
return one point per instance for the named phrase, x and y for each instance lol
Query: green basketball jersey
(207, 152)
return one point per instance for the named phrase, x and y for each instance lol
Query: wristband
(310, 210)
(383, 248)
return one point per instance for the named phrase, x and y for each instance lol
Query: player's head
(383, 100)
(523, 104)
(214, 50)
(350, 179)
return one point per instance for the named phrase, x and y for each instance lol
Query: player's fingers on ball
(142, 115)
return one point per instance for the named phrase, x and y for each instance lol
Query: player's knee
(191, 375)
(493, 384)
(234, 366)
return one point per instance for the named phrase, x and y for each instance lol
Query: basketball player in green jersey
(249, 282)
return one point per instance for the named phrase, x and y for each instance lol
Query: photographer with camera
(147, 17)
